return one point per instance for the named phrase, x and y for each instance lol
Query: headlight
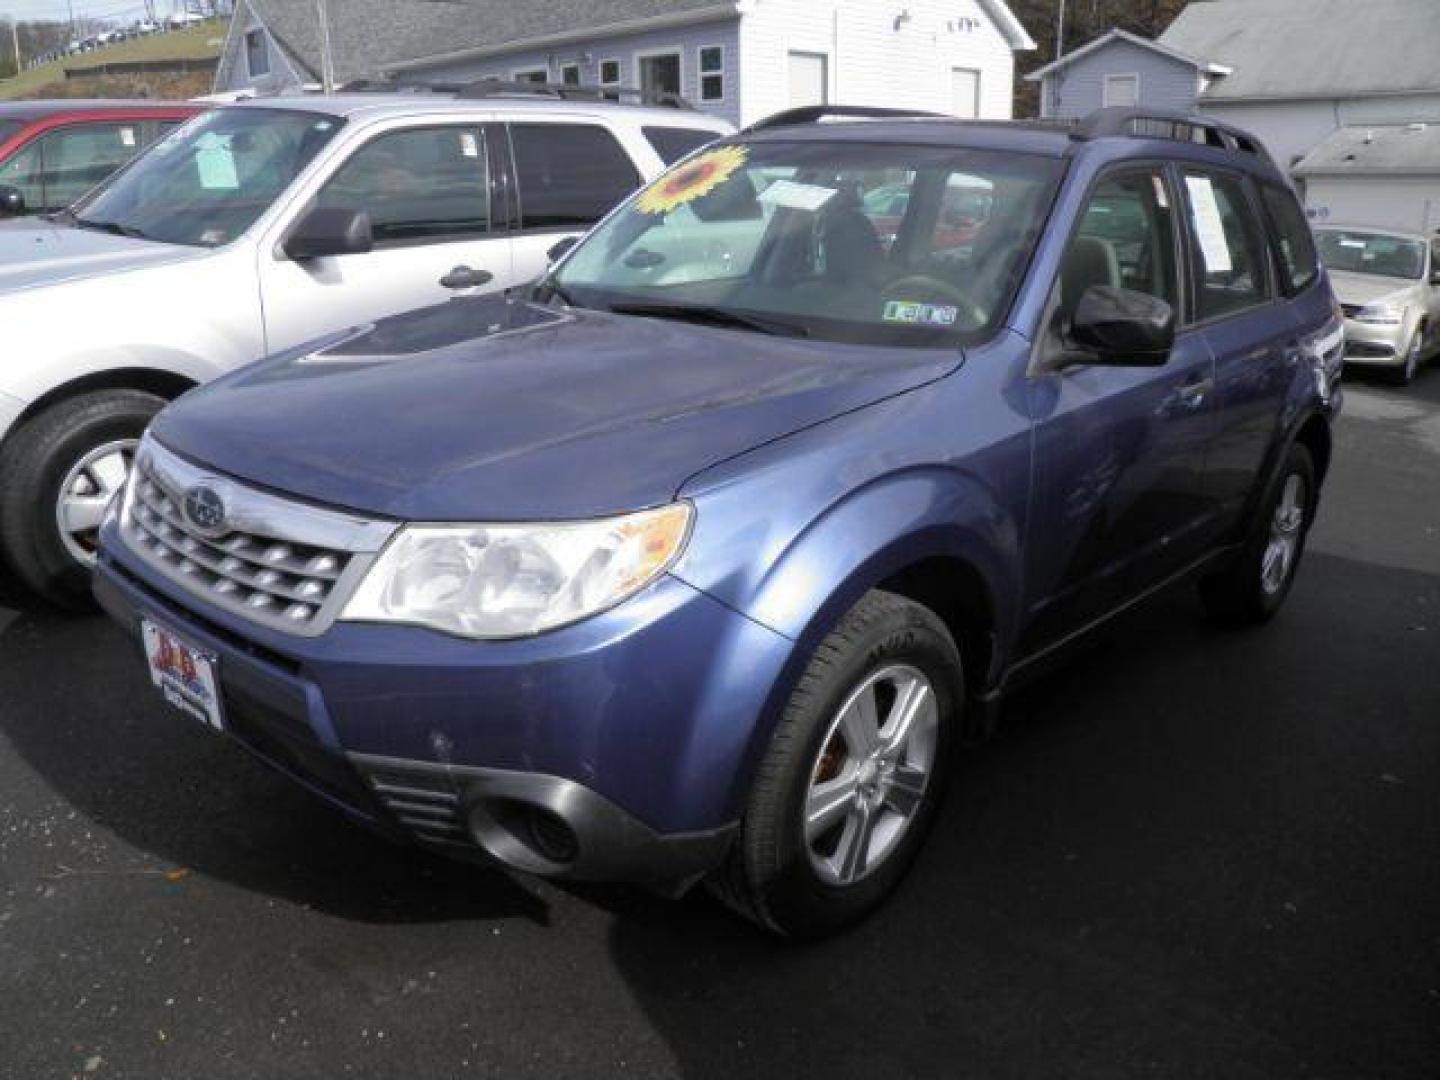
(1380, 314)
(503, 581)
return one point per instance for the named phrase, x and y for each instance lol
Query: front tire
(1405, 374)
(58, 472)
(1252, 589)
(843, 799)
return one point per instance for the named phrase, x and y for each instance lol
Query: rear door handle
(466, 277)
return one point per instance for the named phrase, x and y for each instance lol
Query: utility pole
(15, 40)
(327, 60)
(1060, 31)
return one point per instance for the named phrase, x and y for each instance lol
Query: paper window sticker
(216, 165)
(796, 196)
(1209, 228)
(127, 136)
(1162, 197)
(469, 145)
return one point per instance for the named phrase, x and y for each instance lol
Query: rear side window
(1229, 248)
(672, 144)
(1294, 245)
(569, 175)
(428, 183)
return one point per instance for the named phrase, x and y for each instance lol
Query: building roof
(1400, 150)
(1287, 49)
(1134, 39)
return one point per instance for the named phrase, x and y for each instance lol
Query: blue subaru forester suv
(700, 560)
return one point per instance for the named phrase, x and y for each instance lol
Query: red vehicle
(52, 152)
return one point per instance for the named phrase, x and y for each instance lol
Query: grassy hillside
(193, 43)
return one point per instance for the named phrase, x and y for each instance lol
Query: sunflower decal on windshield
(690, 181)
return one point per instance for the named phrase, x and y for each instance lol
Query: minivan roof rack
(811, 114)
(1159, 124)
(488, 88)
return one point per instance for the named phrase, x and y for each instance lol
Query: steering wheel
(933, 287)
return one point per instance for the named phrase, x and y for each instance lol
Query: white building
(741, 59)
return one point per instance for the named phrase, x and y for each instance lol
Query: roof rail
(1158, 124)
(811, 114)
(488, 88)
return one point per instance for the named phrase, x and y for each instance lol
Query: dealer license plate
(184, 674)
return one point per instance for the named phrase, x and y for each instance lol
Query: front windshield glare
(1372, 253)
(207, 182)
(867, 243)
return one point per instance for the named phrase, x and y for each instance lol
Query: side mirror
(1434, 274)
(558, 249)
(12, 201)
(323, 232)
(1123, 328)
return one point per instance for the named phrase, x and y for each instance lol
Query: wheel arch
(163, 384)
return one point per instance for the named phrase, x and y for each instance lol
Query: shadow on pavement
(76, 705)
(1188, 853)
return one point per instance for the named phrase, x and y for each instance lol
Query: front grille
(267, 576)
(1365, 350)
(426, 803)
(284, 564)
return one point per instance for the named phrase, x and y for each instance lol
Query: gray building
(1292, 71)
(740, 59)
(1387, 177)
(1121, 68)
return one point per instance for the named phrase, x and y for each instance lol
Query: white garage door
(965, 93)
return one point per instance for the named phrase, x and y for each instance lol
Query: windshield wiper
(113, 227)
(713, 316)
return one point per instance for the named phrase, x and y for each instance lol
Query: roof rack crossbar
(488, 88)
(811, 114)
(1158, 124)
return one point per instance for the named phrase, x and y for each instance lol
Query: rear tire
(73, 449)
(1253, 588)
(846, 764)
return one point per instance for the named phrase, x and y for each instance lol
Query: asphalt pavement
(1189, 853)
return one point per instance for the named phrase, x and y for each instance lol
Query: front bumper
(1371, 343)
(615, 749)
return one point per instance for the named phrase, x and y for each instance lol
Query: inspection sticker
(906, 311)
(794, 196)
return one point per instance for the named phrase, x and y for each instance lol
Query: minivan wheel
(844, 796)
(1252, 589)
(58, 473)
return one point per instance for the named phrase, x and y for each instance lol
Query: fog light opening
(524, 835)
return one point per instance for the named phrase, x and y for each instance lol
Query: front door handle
(466, 277)
(1187, 398)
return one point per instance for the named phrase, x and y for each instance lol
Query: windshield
(208, 181)
(845, 242)
(1372, 253)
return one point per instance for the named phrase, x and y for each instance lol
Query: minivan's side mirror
(12, 201)
(560, 247)
(325, 231)
(1123, 328)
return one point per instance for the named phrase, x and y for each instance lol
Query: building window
(712, 73)
(257, 54)
(532, 75)
(965, 93)
(809, 79)
(659, 76)
(570, 74)
(610, 77)
(1121, 90)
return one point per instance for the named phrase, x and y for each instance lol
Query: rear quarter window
(569, 175)
(673, 143)
(1294, 243)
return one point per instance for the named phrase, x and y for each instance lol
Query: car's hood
(33, 252)
(490, 409)
(1353, 288)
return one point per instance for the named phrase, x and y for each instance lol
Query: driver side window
(1126, 240)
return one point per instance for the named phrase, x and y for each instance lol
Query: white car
(258, 227)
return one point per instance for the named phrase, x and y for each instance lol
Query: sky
(109, 10)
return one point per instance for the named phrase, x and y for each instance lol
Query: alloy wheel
(85, 495)
(1286, 528)
(871, 774)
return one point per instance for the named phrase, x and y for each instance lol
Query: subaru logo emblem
(205, 509)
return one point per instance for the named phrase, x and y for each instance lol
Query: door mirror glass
(1123, 328)
(324, 232)
(12, 201)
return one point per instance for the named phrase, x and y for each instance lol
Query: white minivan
(261, 226)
